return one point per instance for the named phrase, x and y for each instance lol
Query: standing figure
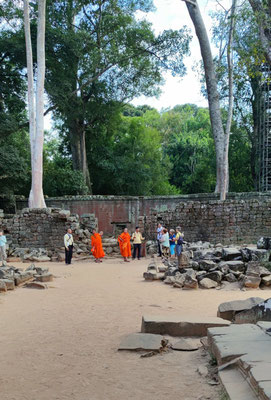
(159, 236)
(3, 254)
(96, 245)
(137, 240)
(125, 245)
(68, 243)
(165, 242)
(179, 244)
(172, 238)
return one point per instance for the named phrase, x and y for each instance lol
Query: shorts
(172, 249)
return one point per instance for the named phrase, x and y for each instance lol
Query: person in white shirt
(159, 236)
(3, 254)
(165, 242)
(68, 243)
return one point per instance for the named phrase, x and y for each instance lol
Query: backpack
(180, 241)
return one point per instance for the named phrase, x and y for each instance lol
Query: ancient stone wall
(115, 212)
(232, 221)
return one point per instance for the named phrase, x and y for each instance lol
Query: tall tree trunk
(30, 82)
(212, 92)
(79, 154)
(225, 172)
(36, 108)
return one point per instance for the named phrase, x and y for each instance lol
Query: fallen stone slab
(3, 287)
(141, 341)
(266, 280)
(228, 309)
(229, 253)
(185, 345)
(180, 325)
(252, 282)
(233, 265)
(22, 277)
(243, 356)
(260, 312)
(44, 278)
(9, 283)
(35, 285)
(207, 283)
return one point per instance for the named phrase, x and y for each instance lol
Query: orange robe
(125, 245)
(96, 246)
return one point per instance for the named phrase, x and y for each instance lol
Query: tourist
(137, 240)
(125, 245)
(165, 242)
(172, 238)
(68, 243)
(3, 254)
(179, 244)
(96, 245)
(159, 236)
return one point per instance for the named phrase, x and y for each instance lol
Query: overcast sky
(173, 14)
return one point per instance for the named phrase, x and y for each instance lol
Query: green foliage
(59, 177)
(15, 175)
(132, 163)
(190, 147)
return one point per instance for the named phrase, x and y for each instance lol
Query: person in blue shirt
(3, 254)
(172, 238)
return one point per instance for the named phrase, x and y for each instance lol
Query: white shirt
(68, 240)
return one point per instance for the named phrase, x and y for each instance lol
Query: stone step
(180, 325)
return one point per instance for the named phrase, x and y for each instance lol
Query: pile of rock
(207, 266)
(32, 277)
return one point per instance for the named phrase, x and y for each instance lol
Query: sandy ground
(61, 343)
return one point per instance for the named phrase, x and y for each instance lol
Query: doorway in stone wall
(118, 227)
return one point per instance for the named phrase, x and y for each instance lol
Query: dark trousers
(68, 255)
(159, 248)
(137, 248)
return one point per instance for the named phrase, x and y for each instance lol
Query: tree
(221, 136)
(36, 103)
(101, 53)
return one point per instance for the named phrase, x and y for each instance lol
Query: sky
(173, 14)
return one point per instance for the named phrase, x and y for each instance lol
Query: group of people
(169, 243)
(96, 246)
(124, 241)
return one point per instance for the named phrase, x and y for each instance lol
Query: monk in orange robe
(96, 245)
(125, 245)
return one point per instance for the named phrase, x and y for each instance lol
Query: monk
(96, 245)
(125, 245)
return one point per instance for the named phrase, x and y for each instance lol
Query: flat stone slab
(243, 349)
(228, 309)
(185, 345)
(180, 325)
(141, 341)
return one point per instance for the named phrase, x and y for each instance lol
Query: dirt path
(62, 343)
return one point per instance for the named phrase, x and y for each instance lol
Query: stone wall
(43, 230)
(115, 212)
(232, 221)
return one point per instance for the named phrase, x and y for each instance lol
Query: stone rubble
(32, 277)
(206, 266)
